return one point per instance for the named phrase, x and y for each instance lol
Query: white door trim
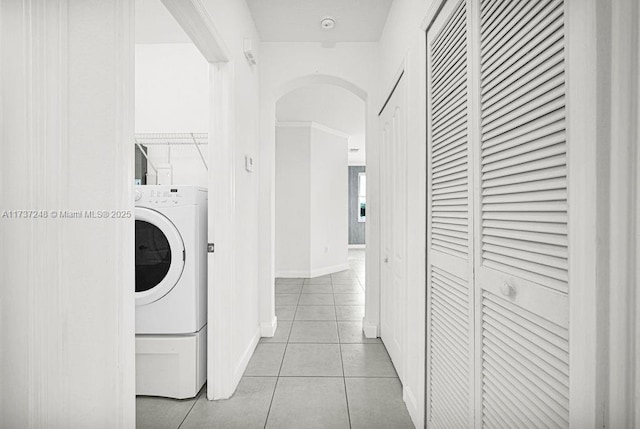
(222, 374)
(585, 324)
(622, 337)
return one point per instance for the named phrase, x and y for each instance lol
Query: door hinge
(211, 247)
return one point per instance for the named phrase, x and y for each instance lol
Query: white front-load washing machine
(171, 290)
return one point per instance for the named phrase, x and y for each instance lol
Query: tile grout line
(286, 345)
(204, 391)
(344, 379)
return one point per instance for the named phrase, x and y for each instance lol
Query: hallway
(317, 371)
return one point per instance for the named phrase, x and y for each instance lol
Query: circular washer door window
(159, 255)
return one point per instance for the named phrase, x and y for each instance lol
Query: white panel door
(522, 253)
(450, 223)
(393, 288)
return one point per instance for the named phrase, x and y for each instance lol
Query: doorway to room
(320, 187)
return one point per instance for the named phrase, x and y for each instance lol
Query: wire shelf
(171, 138)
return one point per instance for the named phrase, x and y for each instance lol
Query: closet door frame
(586, 308)
(586, 302)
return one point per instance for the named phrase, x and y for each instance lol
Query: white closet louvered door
(450, 250)
(522, 244)
(498, 282)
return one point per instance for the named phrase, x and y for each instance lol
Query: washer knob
(138, 195)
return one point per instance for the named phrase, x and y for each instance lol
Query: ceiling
(154, 24)
(331, 106)
(299, 20)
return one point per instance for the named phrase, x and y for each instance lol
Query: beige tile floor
(318, 371)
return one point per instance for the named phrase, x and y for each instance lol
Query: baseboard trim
(357, 246)
(412, 406)
(316, 272)
(370, 330)
(292, 274)
(269, 329)
(329, 270)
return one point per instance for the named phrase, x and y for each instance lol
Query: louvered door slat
(455, 107)
(451, 122)
(531, 248)
(550, 51)
(451, 284)
(524, 23)
(518, 94)
(441, 360)
(456, 154)
(489, 6)
(501, 401)
(528, 176)
(454, 64)
(555, 217)
(537, 258)
(531, 358)
(459, 93)
(491, 419)
(544, 386)
(530, 416)
(546, 227)
(541, 408)
(450, 226)
(449, 371)
(547, 21)
(454, 188)
(452, 148)
(451, 80)
(531, 52)
(542, 184)
(524, 133)
(449, 352)
(501, 12)
(537, 107)
(549, 158)
(447, 397)
(447, 35)
(543, 138)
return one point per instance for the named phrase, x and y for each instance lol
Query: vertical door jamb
(198, 24)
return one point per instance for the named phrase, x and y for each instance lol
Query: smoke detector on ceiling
(328, 23)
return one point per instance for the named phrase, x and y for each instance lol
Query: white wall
(293, 201)
(329, 192)
(400, 47)
(311, 200)
(172, 96)
(67, 304)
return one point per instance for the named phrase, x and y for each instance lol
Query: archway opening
(320, 202)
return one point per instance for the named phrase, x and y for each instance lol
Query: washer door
(159, 255)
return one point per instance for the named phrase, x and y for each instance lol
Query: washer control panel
(166, 196)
